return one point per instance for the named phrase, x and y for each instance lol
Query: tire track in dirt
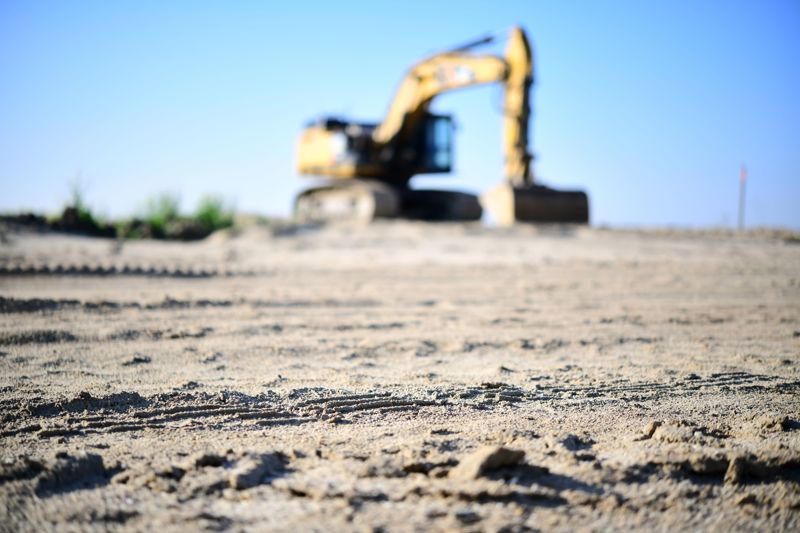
(331, 407)
(39, 336)
(56, 419)
(689, 385)
(136, 270)
(51, 336)
(131, 412)
(11, 305)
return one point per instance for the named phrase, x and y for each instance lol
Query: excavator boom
(458, 69)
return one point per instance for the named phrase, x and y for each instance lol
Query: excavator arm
(428, 79)
(458, 69)
(517, 110)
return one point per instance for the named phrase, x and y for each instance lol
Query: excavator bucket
(535, 203)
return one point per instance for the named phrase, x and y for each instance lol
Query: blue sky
(649, 106)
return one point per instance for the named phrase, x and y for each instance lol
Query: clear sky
(649, 106)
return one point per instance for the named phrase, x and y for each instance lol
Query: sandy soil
(401, 377)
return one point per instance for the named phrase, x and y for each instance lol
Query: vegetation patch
(159, 218)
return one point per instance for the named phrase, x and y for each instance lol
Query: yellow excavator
(369, 166)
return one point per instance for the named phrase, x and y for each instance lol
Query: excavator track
(364, 201)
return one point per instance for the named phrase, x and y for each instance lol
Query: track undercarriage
(368, 200)
(363, 200)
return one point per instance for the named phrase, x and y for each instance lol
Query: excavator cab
(333, 147)
(434, 151)
(372, 179)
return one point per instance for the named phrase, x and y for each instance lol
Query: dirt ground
(401, 377)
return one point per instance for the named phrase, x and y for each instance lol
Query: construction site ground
(400, 377)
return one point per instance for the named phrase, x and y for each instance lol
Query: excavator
(369, 166)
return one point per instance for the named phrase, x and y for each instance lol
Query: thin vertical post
(742, 187)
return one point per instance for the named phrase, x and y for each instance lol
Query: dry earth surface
(401, 377)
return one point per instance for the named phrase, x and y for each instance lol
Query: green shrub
(159, 211)
(214, 213)
(77, 201)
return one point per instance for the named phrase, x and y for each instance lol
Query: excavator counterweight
(371, 165)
